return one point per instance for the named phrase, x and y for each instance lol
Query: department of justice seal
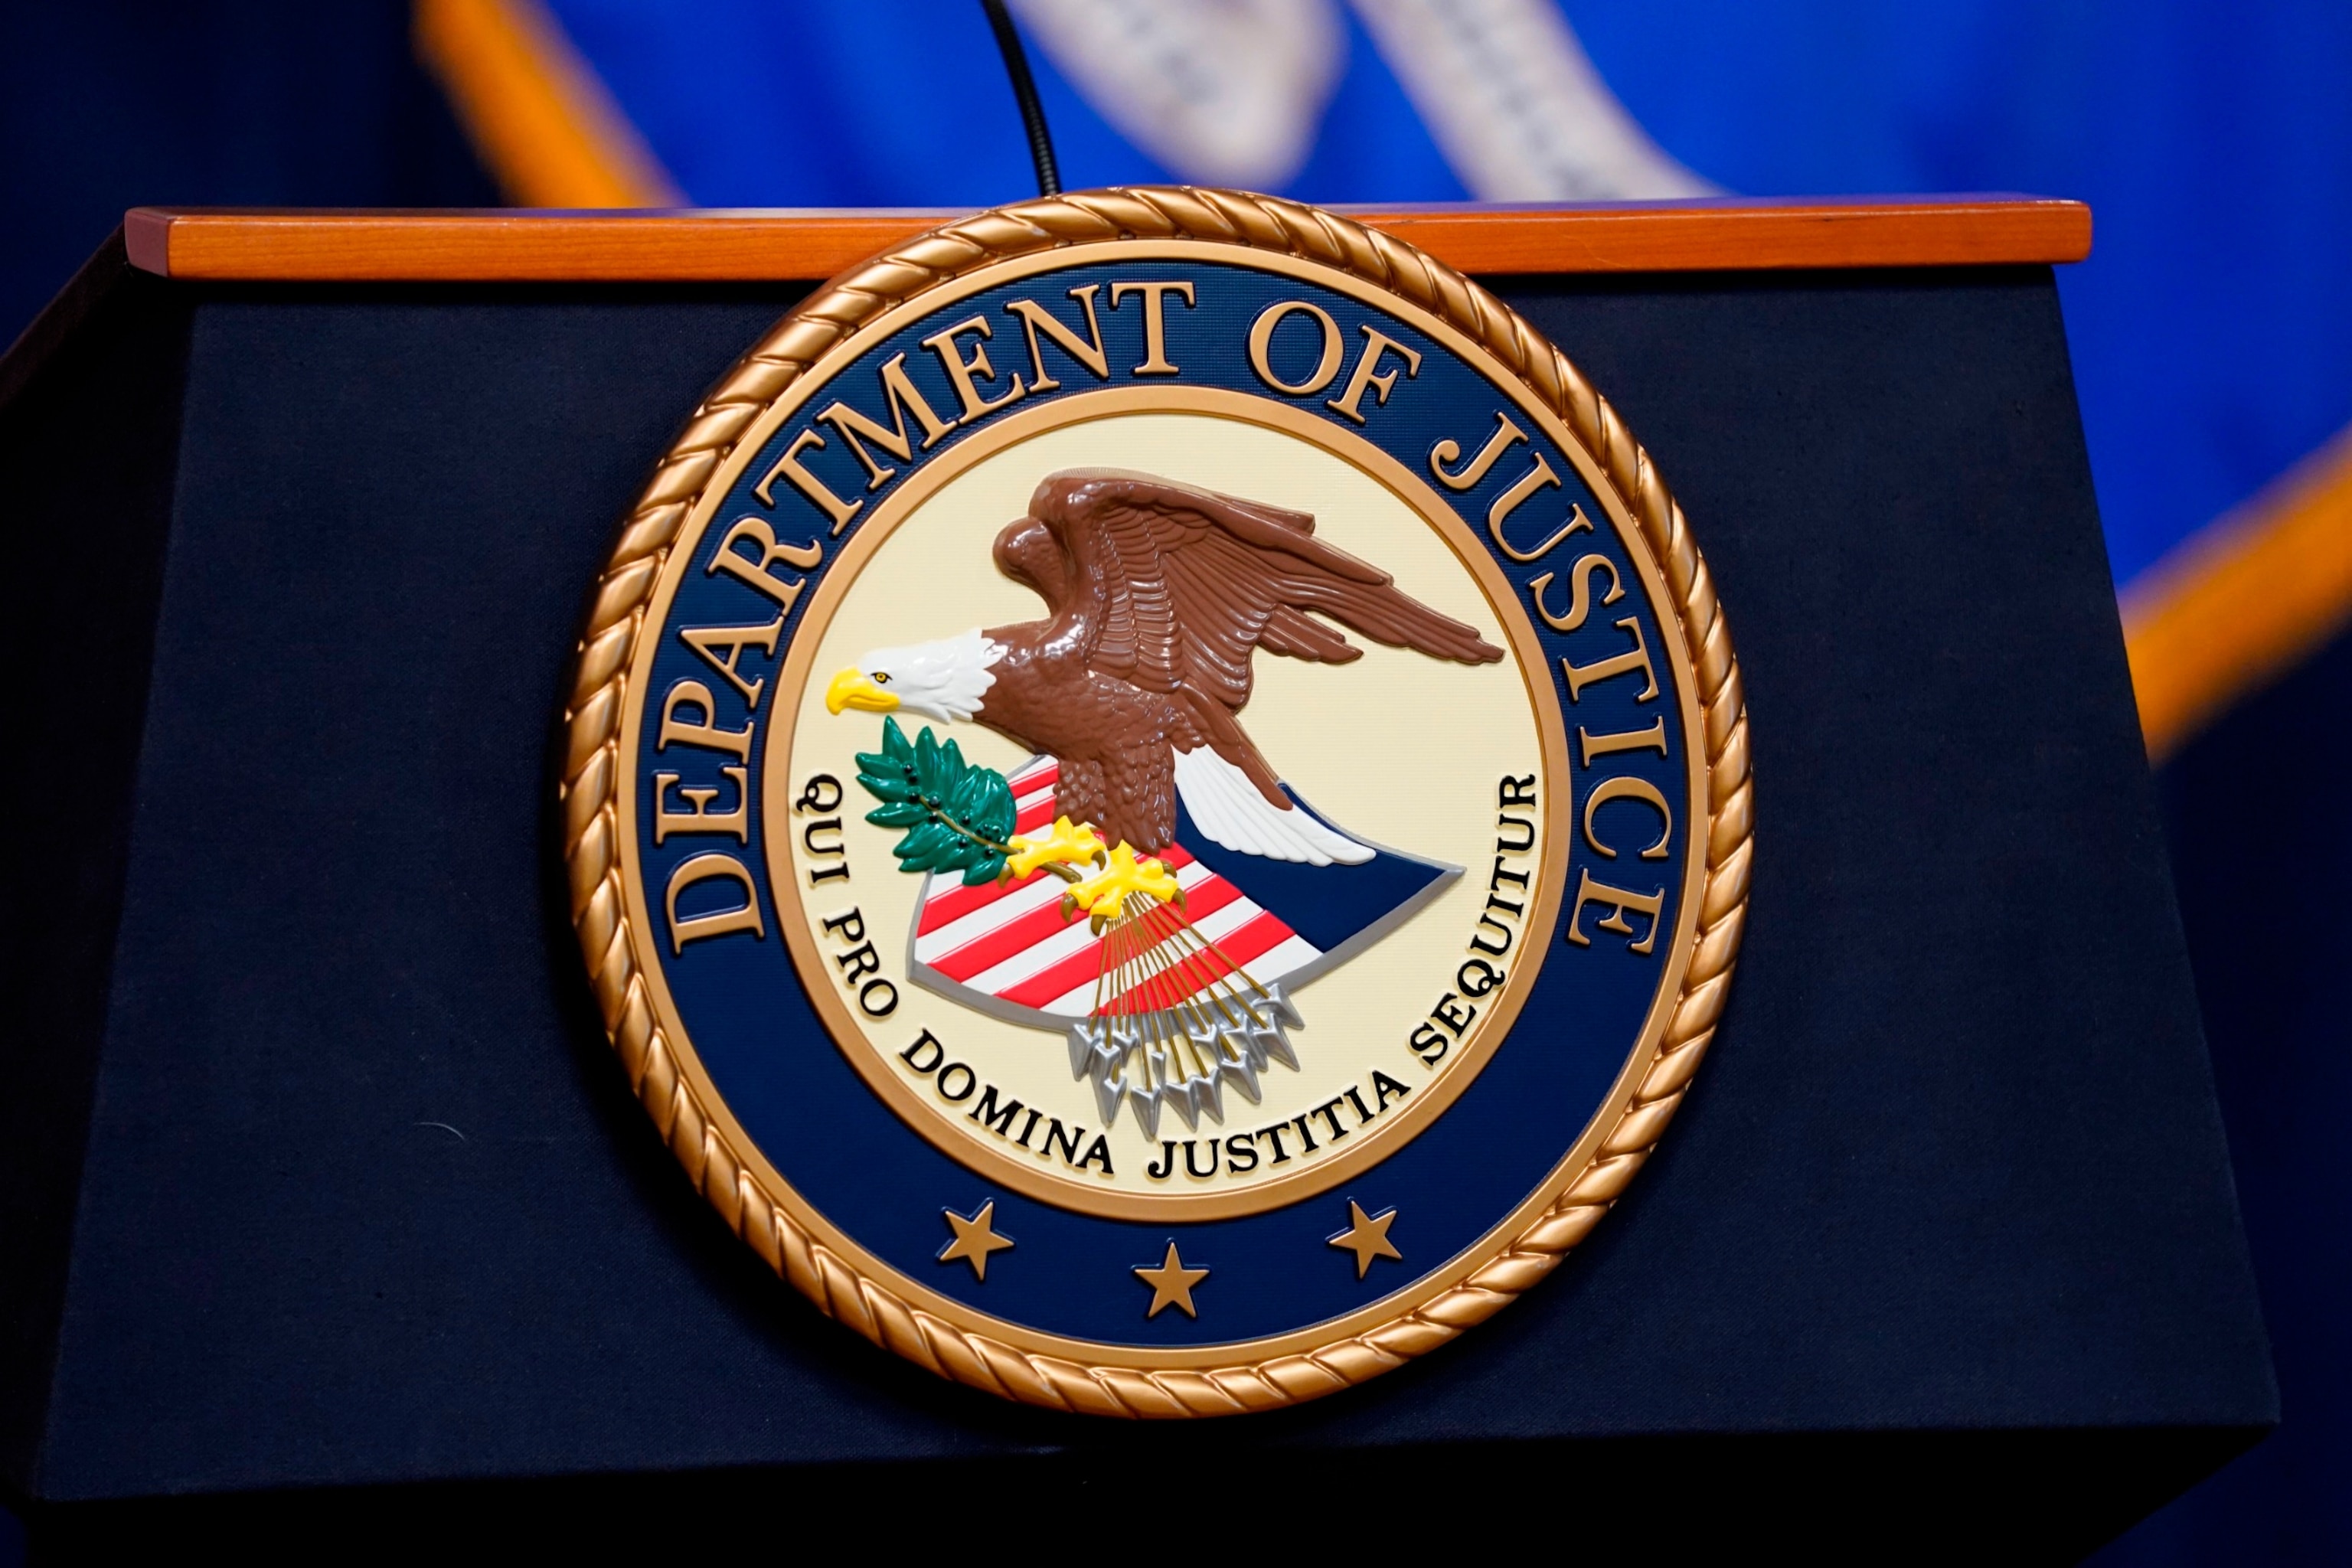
(1157, 801)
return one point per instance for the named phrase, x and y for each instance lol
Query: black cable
(1024, 91)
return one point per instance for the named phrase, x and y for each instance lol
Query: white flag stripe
(929, 947)
(1291, 953)
(1076, 1004)
(1078, 936)
(1223, 922)
(1515, 105)
(1224, 93)
(985, 918)
(1230, 919)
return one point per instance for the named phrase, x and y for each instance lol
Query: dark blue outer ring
(854, 1163)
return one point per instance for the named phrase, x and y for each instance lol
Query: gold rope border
(592, 831)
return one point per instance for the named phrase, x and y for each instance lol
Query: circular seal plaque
(1157, 801)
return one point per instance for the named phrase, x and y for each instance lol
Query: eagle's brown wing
(1179, 587)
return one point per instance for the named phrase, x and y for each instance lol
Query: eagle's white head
(943, 681)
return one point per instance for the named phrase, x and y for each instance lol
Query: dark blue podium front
(316, 1172)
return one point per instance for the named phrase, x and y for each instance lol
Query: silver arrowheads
(1228, 1039)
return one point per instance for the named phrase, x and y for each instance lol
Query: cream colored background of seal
(1398, 748)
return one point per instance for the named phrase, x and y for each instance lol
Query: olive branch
(958, 814)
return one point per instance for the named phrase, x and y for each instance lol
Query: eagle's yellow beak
(852, 688)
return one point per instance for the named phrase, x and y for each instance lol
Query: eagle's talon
(1105, 894)
(1063, 844)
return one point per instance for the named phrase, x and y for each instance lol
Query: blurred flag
(1235, 93)
(1226, 94)
(2212, 338)
(1517, 109)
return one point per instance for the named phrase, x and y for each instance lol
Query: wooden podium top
(1729, 234)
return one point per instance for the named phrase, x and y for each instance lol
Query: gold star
(1171, 1284)
(1367, 1237)
(974, 1240)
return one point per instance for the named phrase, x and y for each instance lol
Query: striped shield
(1176, 1004)
(1006, 948)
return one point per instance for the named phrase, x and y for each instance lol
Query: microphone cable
(1024, 92)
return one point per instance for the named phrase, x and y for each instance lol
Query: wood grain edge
(717, 247)
(147, 238)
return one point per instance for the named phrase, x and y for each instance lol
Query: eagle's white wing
(1227, 806)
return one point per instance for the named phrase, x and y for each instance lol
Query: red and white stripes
(1009, 941)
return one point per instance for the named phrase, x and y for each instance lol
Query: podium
(322, 1205)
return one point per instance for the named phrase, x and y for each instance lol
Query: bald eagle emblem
(1146, 883)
